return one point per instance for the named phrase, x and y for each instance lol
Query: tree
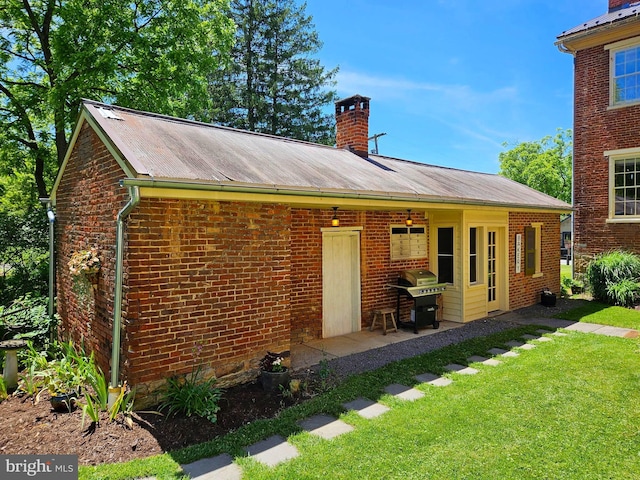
(146, 54)
(544, 165)
(273, 85)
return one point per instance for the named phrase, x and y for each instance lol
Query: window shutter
(529, 250)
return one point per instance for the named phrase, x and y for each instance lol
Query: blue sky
(451, 81)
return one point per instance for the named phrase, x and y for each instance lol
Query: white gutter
(114, 390)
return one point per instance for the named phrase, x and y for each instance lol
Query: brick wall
(376, 268)
(209, 282)
(524, 290)
(596, 130)
(87, 202)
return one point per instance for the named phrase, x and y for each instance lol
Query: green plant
(610, 278)
(192, 397)
(3, 389)
(27, 318)
(272, 362)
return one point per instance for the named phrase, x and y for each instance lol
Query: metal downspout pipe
(134, 194)
(51, 216)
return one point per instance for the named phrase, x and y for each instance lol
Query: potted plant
(273, 373)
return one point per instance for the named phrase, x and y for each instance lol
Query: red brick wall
(613, 4)
(597, 129)
(524, 290)
(376, 268)
(208, 282)
(87, 202)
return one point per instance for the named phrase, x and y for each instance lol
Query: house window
(532, 250)
(408, 242)
(626, 187)
(473, 255)
(625, 72)
(445, 255)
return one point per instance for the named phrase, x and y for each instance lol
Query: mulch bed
(29, 428)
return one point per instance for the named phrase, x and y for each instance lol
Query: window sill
(623, 220)
(623, 105)
(537, 275)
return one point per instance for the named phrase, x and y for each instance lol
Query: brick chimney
(352, 124)
(617, 4)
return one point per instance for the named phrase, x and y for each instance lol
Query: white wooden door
(494, 277)
(340, 283)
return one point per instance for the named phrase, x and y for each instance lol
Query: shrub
(27, 318)
(613, 278)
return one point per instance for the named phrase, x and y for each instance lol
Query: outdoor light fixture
(335, 221)
(408, 222)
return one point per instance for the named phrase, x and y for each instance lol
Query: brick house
(606, 147)
(219, 244)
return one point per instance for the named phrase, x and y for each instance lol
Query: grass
(602, 314)
(566, 409)
(565, 271)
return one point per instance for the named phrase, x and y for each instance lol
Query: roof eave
(599, 35)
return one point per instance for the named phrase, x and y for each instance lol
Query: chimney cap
(352, 99)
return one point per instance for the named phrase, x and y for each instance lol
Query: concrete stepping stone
(272, 451)
(510, 353)
(485, 361)
(559, 334)
(528, 336)
(497, 351)
(434, 380)
(543, 331)
(514, 343)
(325, 426)
(544, 339)
(213, 468)
(366, 408)
(461, 369)
(528, 346)
(403, 392)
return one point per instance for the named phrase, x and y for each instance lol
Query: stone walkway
(275, 450)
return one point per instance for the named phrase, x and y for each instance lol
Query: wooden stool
(382, 313)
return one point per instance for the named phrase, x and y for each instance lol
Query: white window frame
(615, 156)
(406, 246)
(613, 49)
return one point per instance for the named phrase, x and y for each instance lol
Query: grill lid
(418, 278)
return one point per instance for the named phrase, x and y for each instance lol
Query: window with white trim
(408, 242)
(626, 187)
(624, 78)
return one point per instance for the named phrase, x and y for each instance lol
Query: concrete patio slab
(325, 426)
(366, 408)
(461, 369)
(583, 327)
(272, 451)
(220, 467)
(403, 392)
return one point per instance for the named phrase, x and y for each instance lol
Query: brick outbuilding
(217, 245)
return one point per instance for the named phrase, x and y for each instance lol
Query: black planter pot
(271, 381)
(64, 402)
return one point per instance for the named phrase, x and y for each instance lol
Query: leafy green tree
(273, 84)
(146, 54)
(544, 165)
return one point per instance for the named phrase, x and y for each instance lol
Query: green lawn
(566, 409)
(594, 312)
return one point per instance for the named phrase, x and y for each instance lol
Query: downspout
(51, 216)
(114, 390)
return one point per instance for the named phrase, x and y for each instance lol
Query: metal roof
(628, 12)
(163, 148)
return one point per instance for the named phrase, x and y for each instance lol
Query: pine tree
(273, 84)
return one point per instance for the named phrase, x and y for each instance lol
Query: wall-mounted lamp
(335, 221)
(408, 222)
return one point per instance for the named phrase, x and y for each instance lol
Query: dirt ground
(28, 428)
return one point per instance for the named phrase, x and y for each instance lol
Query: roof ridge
(171, 118)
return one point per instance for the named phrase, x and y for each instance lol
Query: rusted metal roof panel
(165, 148)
